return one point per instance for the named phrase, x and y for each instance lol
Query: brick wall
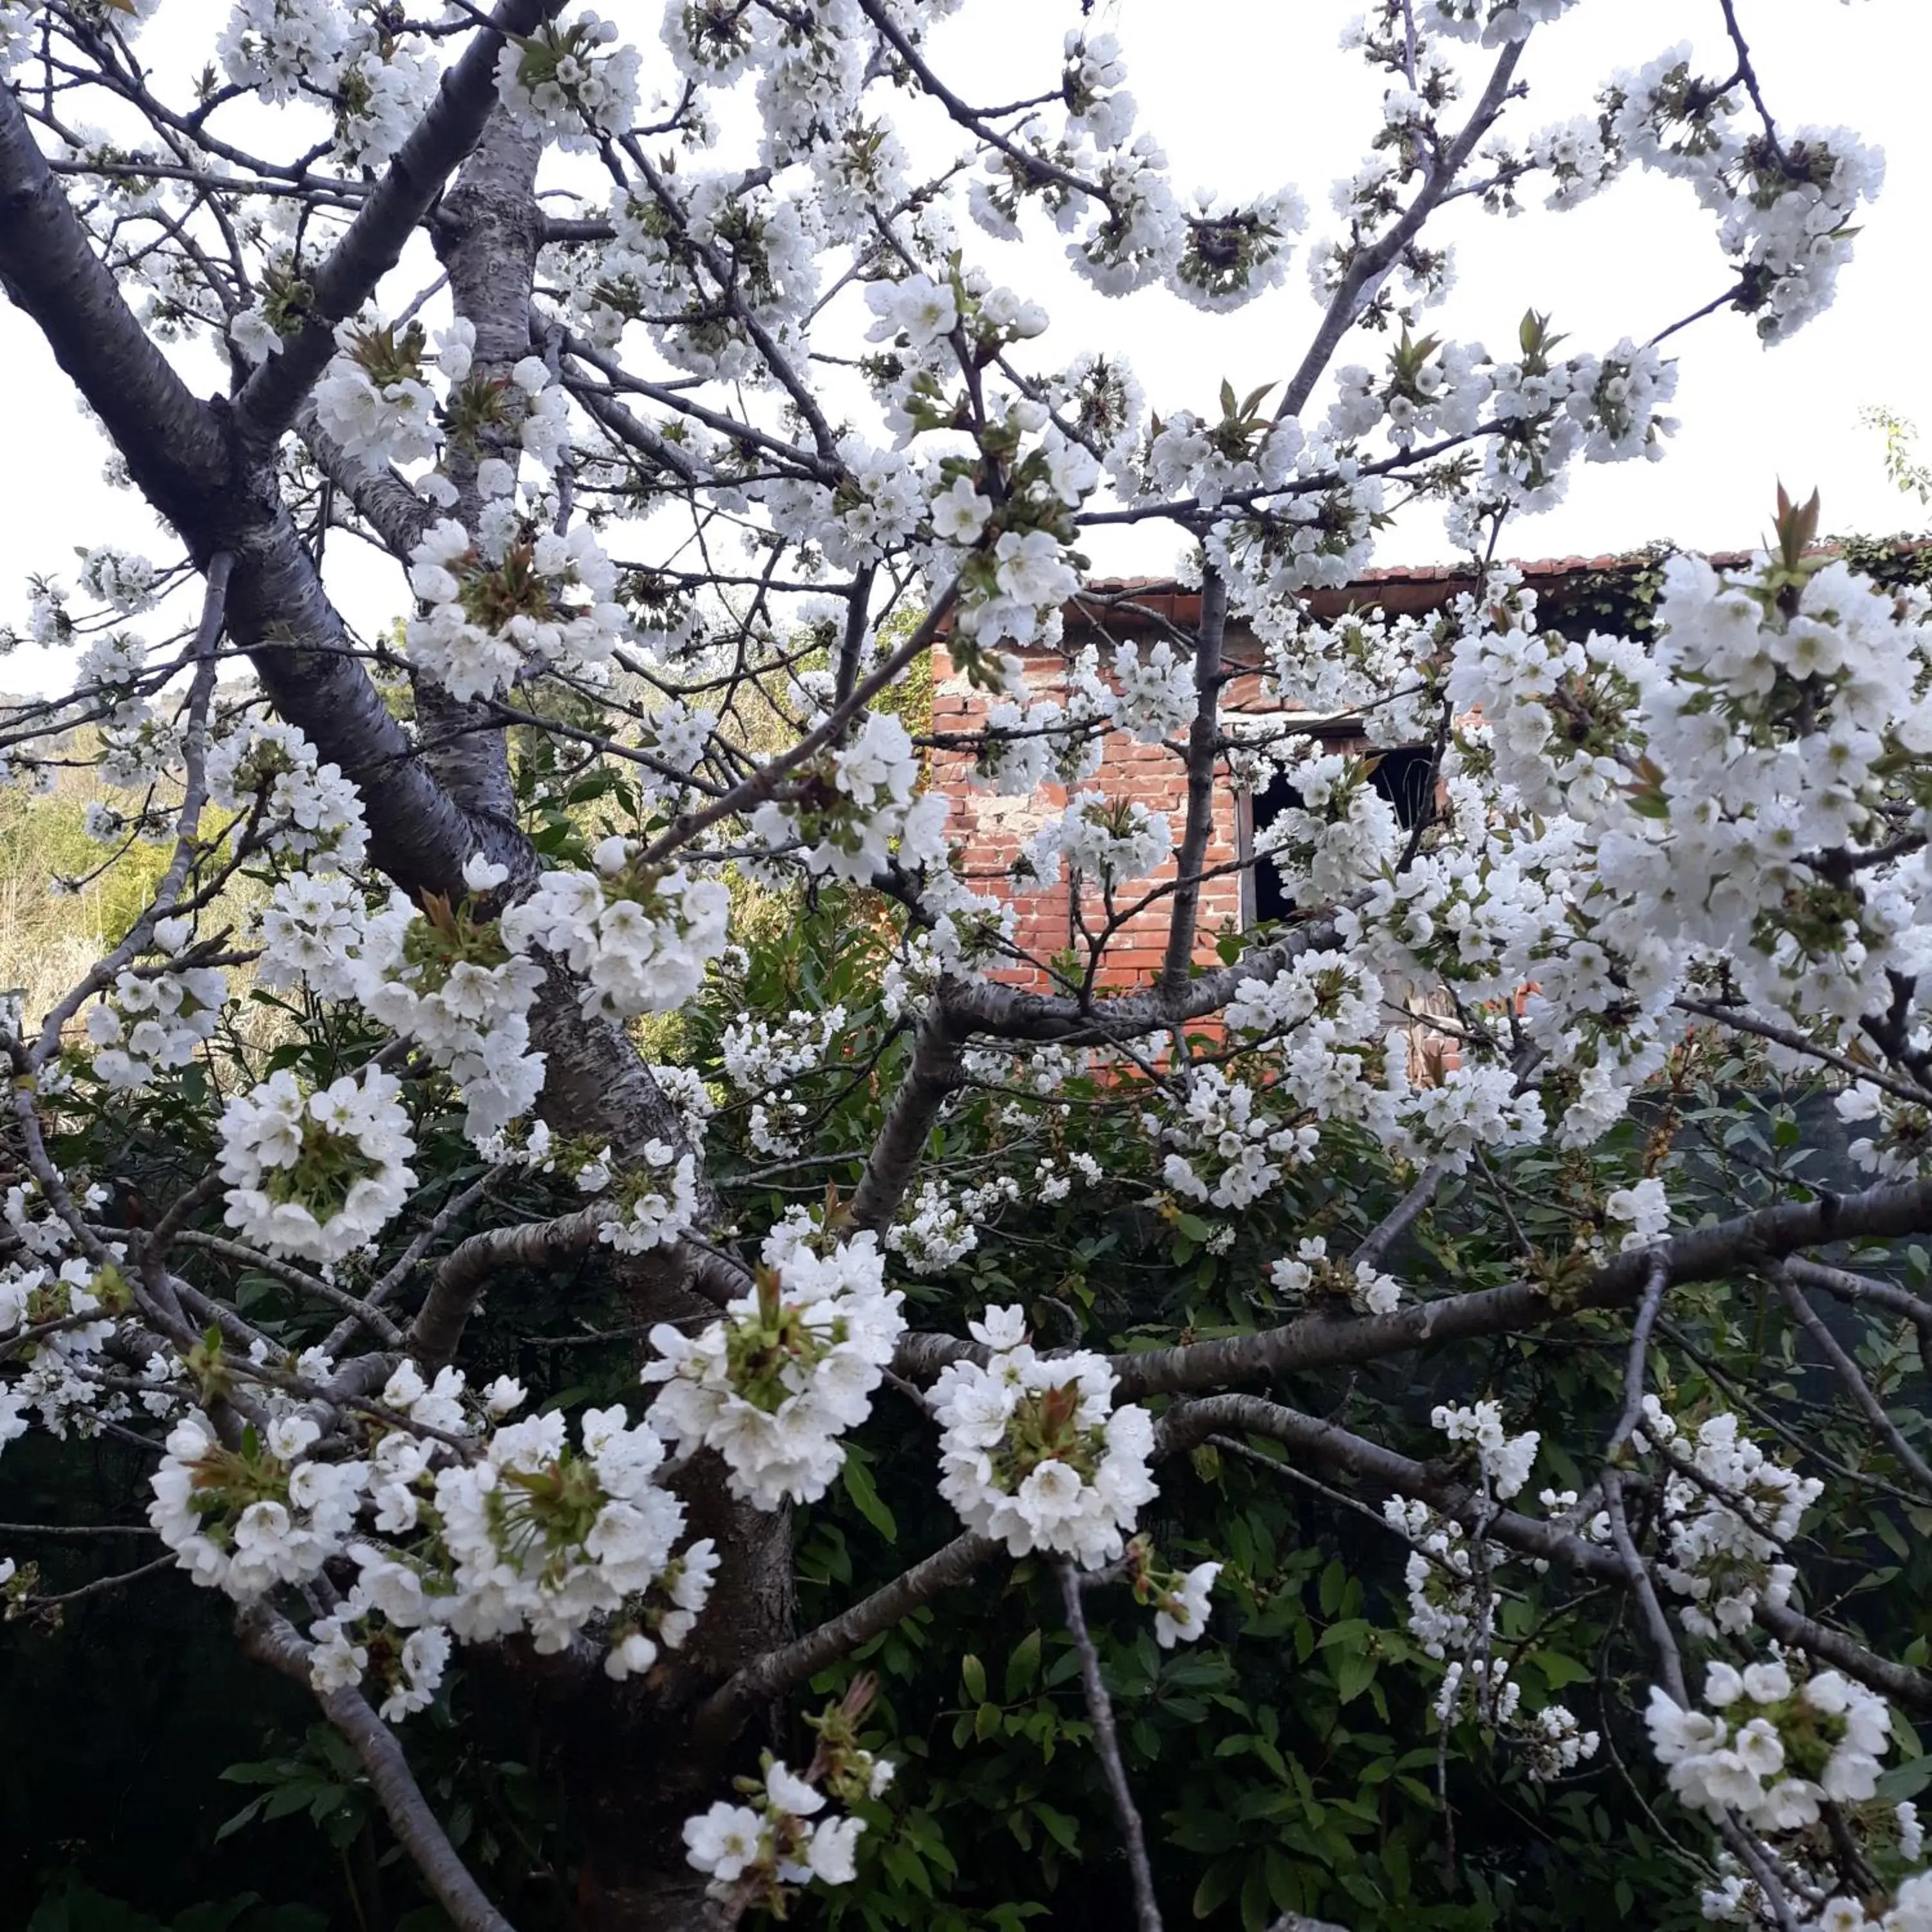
(992, 830)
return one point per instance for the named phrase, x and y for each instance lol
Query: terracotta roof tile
(1373, 586)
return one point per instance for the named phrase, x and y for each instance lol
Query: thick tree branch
(175, 447)
(272, 1640)
(721, 1717)
(373, 243)
(488, 234)
(390, 508)
(1203, 738)
(1013, 1012)
(933, 1076)
(466, 1271)
(181, 457)
(1325, 1341)
(1397, 1222)
(1397, 1475)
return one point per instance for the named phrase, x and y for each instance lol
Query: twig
(1855, 1385)
(1100, 1710)
(272, 1639)
(721, 1715)
(102, 1585)
(1640, 1355)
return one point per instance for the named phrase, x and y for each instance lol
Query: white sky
(1248, 94)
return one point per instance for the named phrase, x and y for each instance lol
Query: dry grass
(49, 939)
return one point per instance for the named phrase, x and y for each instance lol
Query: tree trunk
(487, 233)
(623, 1753)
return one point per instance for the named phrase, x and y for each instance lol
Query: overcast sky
(1248, 94)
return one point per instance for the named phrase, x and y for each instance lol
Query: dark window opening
(1405, 777)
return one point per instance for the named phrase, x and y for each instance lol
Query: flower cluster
(1506, 1460)
(1112, 842)
(761, 1059)
(656, 1201)
(1032, 1450)
(312, 935)
(353, 1639)
(1772, 1747)
(1643, 1209)
(569, 81)
(373, 399)
(444, 977)
(790, 1368)
(57, 1318)
(544, 1536)
(667, 1614)
(119, 578)
(1447, 1611)
(1229, 1147)
(157, 1016)
(639, 938)
(933, 1232)
(1786, 204)
(1157, 697)
(476, 1529)
(1727, 1531)
(847, 812)
(319, 1174)
(1310, 1269)
(245, 1519)
(752, 1852)
(311, 812)
(516, 595)
(1179, 1598)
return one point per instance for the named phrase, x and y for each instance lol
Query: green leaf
(1333, 1580)
(1064, 1832)
(242, 1817)
(1906, 1780)
(1354, 1673)
(285, 1800)
(858, 1486)
(1218, 1885)
(986, 1721)
(972, 1675)
(1558, 1670)
(79, 1908)
(1023, 1666)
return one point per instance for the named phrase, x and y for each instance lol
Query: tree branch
(174, 446)
(272, 1640)
(1194, 1422)
(437, 1331)
(1853, 1383)
(1100, 1712)
(722, 1714)
(1365, 273)
(1322, 1341)
(372, 244)
(934, 1075)
(1203, 737)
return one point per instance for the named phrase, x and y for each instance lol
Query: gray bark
(487, 232)
(626, 1758)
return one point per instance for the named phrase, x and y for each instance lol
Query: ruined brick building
(1574, 595)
